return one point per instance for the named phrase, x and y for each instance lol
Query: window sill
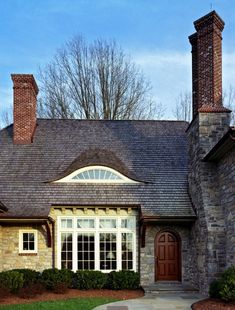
(28, 254)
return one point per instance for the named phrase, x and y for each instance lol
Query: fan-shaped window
(96, 174)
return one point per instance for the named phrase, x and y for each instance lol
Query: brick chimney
(207, 64)
(24, 111)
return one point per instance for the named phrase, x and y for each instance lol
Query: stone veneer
(209, 231)
(11, 258)
(226, 172)
(147, 254)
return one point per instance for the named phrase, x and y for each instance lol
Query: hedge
(59, 280)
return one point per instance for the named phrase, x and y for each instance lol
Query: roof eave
(224, 145)
(25, 219)
(154, 219)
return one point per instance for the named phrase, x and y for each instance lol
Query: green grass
(69, 304)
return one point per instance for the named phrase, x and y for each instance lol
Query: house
(152, 196)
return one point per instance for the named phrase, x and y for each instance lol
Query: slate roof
(153, 152)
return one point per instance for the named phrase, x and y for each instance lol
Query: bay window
(97, 243)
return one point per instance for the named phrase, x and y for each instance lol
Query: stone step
(169, 287)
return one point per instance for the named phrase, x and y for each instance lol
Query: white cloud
(170, 74)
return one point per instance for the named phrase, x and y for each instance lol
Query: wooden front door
(167, 257)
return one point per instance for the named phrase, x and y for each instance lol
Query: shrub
(52, 277)
(12, 280)
(227, 284)
(90, 279)
(123, 279)
(224, 287)
(30, 276)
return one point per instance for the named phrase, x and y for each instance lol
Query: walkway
(166, 301)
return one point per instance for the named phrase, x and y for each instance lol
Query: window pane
(108, 223)
(25, 246)
(127, 223)
(127, 251)
(31, 246)
(67, 223)
(92, 174)
(31, 237)
(28, 242)
(108, 251)
(86, 251)
(97, 174)
(25, 237)
(66, 250)
(85, 223)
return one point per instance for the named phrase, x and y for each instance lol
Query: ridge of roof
(113, 120)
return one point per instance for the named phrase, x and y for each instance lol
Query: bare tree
(95, 81)
(229, 101)
(6, 118)
(183, 107)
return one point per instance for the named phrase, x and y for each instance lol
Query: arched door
(167, 257)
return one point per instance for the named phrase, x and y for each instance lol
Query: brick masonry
(25, 102)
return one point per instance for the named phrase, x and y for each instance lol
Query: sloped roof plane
(154, 152)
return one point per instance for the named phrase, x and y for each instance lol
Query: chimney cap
(193, 38)
(25, 78)
(211, 18)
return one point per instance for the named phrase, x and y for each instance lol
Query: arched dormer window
(96, 174)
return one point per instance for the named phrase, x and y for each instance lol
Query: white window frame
(69, 178)
(28, 231)
(118, 231)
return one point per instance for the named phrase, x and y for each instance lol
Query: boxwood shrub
(53, 277)
(123, 279)
(30, 276)
(12, 280)
(90, 279)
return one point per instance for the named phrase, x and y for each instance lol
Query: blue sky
(153, 32)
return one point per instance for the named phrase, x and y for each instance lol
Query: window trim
(118, 230)
(69, 178)
(28, 231)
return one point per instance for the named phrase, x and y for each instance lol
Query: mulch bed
(73, 293)
(212, 304)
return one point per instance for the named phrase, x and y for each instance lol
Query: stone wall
(226, 171)
(11, 258)
(147, 261)
(208, 232)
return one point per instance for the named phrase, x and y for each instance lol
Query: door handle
(156, 258)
